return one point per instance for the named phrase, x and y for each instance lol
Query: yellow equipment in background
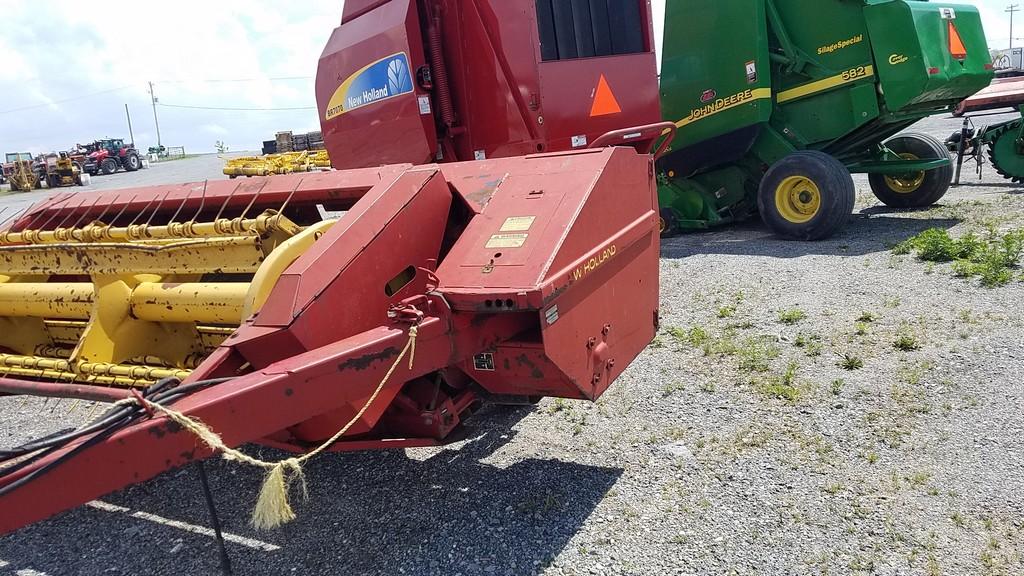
(22, 178)
(277, 164)
(61, 171)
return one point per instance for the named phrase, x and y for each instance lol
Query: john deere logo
(895, 59)
(708, 96)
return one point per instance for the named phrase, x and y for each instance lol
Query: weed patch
(992, 260)
(756, 354)
(791, 316)
(782, 386)
(851, 362)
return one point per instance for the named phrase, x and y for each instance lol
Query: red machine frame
(558, 307)
(480, 86)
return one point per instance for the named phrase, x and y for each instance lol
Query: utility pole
(129, 115)
(156, 121)
(1011, 9)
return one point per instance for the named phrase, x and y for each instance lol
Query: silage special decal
(384, 79)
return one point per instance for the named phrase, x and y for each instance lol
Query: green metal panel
(715, 71)
(825, 116)
(840, 76)
(825, 87)
(911, 40)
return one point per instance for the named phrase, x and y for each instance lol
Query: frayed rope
(273, 507)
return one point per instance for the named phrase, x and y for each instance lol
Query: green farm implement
(778, 101)
(1004, 142)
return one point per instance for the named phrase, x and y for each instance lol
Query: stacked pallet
(289, 142)
(284, 142)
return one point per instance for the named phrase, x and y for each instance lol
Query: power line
(177, 81)
(63, 101)
(236, 109)
(217, 80)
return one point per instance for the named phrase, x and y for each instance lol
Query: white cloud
(175, 44)
(81, 52)
(215, 129)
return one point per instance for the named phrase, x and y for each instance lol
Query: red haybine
(370, 307)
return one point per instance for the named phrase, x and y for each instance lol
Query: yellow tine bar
(98, 232)
(58, 369)
(213, 303)
(33, 362)
(135, 372)
(210, 303)
(64, 301)
(214, 255)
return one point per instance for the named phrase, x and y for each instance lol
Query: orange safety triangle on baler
(956, 44)
(604, 100)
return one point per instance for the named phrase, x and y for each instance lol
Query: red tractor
(108, 156)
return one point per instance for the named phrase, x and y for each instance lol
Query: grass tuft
(791, 316)
(906, 340)
(783, 387)
(851, 362)
(992, 260)
(756, 354)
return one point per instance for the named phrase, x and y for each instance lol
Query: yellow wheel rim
(797, 199)
(906, 183)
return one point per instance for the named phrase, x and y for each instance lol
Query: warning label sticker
(484, 362)
(507, 241)
(518, 224)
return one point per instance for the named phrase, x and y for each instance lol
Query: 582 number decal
(854, 73)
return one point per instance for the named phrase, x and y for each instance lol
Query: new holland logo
(382, 80)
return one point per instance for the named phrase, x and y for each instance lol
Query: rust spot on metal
(524, 360)
(482, 196)
(363, 362)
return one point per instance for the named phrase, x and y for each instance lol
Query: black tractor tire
(807, 195)
(131, 162)
(668, 224)
(108, 166)
(922, 188)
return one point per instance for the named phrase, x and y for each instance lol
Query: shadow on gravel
(872, 230)
(367, 513)
(1017, 188)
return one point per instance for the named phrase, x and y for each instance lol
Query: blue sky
(69, 81)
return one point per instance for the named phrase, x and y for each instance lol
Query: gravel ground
(735, 445)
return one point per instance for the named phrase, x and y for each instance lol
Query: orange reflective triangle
(604, 100)
(956, 44)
